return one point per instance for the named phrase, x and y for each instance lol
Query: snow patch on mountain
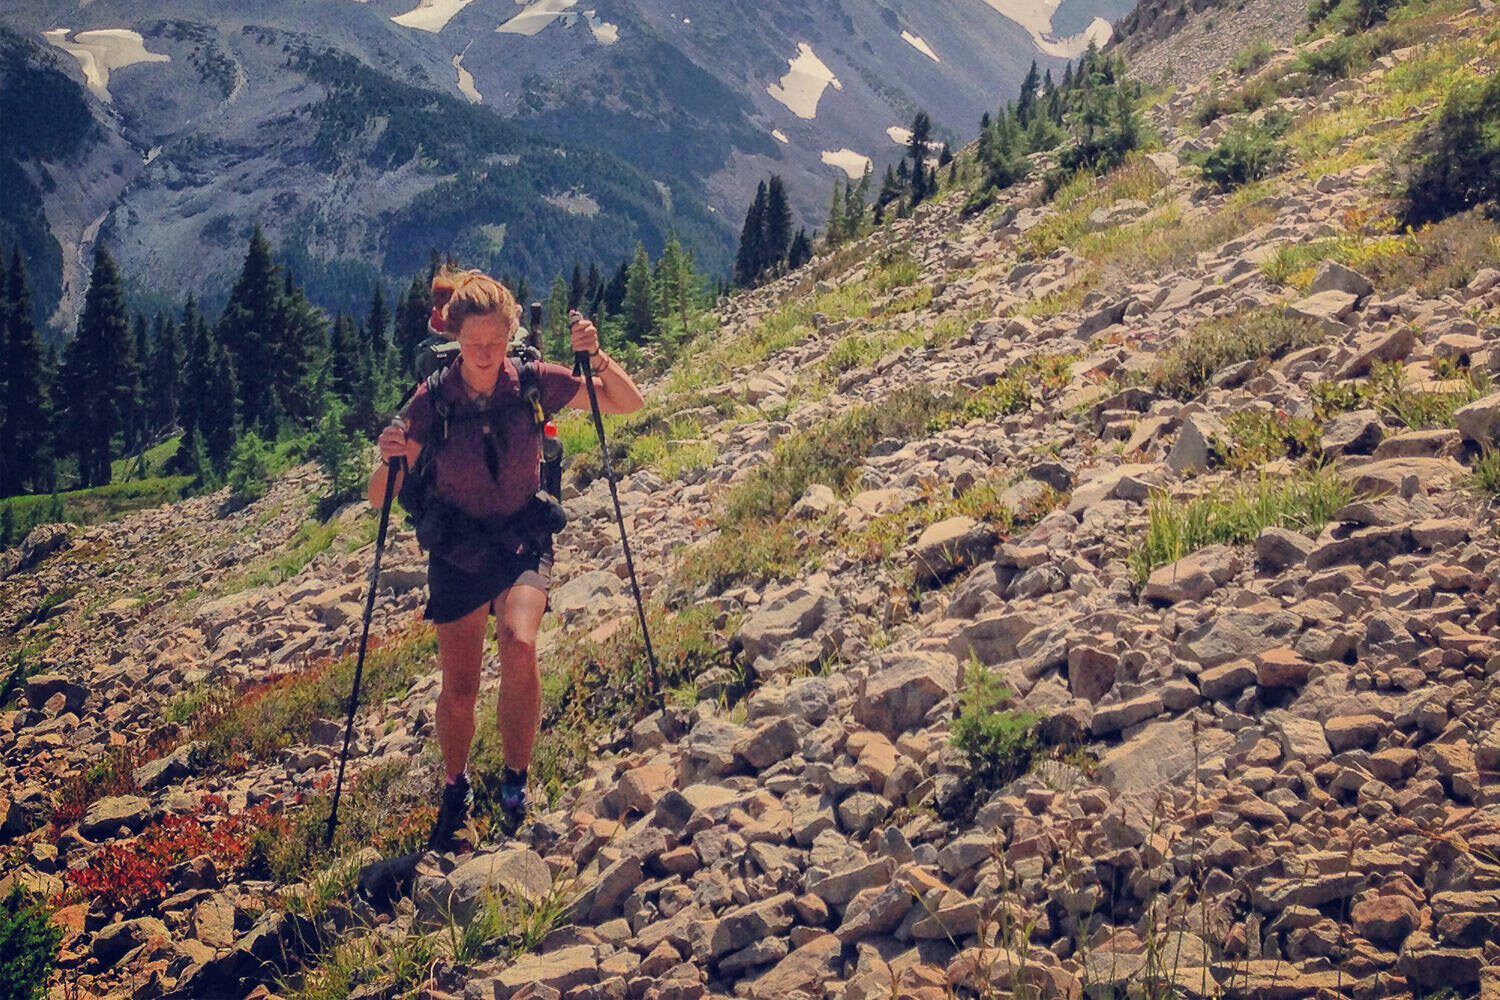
(604, 32)
(431, 15)
(466, 80)
(1036, 17)
(536, 16)
(804, 83)
(920, 44)
(102, 51)
(900, 136)
(779, 136)
(852, 163)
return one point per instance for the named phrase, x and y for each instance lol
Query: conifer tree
(593, 290)
(207, 406)
(836, 201)
(639, 320)
(412, 312)
(747, 261)
(576, 287)
(613, 300)
(98, 387)
(556, 324)
(25, 410)
(136, 418)
(916, 151)
(377, 323)
(165, 372)
(298, 362)
(800, 252)
(778, 227)
(673, 280)
(351, 372)
(247, 330)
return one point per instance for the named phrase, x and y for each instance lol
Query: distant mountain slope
(521, 136)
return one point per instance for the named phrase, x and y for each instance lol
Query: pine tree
(593, 291)
(351, 372)
(835, 235)
(576, 287)
(25, 411)
(136, 418)
(639, 321)
(673, 282)
(778, 227)
(916, 151)
(98, 387)
(412, 312)
(1026, 103)
(247, 330)
(377, 323)
(557, 343)
(613, 300)
(164, 374)
(299, 361)
(854, 204)
(747, 261)
(800, 252)
(207, 406)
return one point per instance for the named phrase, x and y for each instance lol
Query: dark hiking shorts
(453, 592)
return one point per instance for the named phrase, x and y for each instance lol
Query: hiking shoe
(453, 815)
(512, 801)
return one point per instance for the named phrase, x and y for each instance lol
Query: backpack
(434, 520)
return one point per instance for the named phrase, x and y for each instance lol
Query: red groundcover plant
(134, 874)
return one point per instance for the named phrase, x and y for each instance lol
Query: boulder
(1335, 277)
(39, 543)
(1325, 307)
(1194, 576)
(105, 817)
(1356, 433)
(1392, 345)
(584, 591)
(1277, 549)
(950, 545)
(901, 688)
(784, 617)
(1480, 421)
(1194, 448)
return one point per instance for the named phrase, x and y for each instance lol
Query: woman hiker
(487, 551)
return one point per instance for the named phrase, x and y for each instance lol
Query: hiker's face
(483, 340)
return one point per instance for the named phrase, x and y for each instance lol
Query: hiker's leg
(461, 650)
(518, 615)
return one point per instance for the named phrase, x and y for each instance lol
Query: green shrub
(249, 469)
(1257, 437)
(339, 453)
(997, 743)
(1455, 157)
(1246, 153)
(28, 947)
(1264, 332)
(1236, 516)
(1486, 477)
(1251, 57)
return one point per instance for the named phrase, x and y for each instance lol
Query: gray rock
(1480, 421)
(1236, 634)
(562, 970)
(1394, 345)
(1156, 757)
(511, 875)
(902, 688)
(859, 813)
(741, 927)
(769, 744)
(1193, 577)
(1333, 276)
(39, 543)
(838, 888)
(1194, 449)
(1324, 307)
(585, 591)
(106, 816)
(950, 545)
(1356, 433)
(113, 942)
(787, 616)
(1277, 549)
(709, 750)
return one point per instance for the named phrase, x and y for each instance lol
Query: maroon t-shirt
(462, 472)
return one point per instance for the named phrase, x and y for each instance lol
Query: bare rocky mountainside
(363, 135)
(1088, 595)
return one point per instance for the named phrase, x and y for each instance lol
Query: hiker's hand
(395, 444)
(584, 334)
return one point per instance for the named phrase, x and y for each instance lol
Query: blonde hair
(474, 293)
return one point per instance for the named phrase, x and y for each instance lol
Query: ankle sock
(514, 777)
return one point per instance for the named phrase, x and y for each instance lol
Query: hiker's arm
(393, 444)
(616, 390)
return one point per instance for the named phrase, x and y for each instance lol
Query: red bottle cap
(549, 429)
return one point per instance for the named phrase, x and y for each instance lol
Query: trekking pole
(392, 469)
(581, 366)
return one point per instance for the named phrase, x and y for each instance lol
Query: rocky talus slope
(1267, 768)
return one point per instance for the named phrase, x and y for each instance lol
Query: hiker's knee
(517, 644)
